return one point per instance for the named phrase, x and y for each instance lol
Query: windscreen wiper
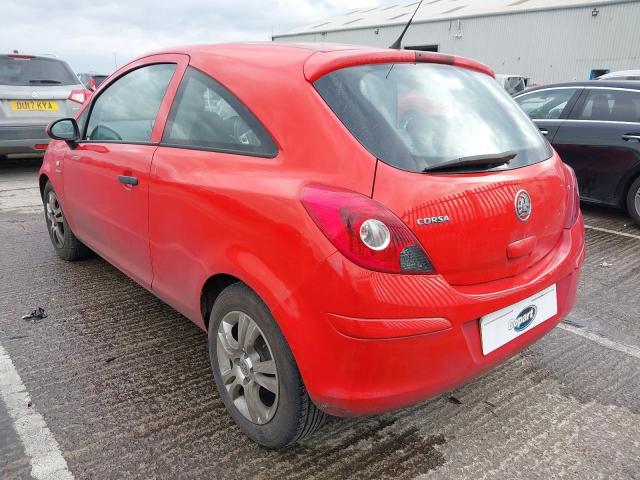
(52, 82)
(486, 161)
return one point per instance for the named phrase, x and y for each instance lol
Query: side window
(205, 115)
(127, 109)
(610, 106)
(545, 104)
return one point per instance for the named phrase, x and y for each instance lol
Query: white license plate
(502, 326)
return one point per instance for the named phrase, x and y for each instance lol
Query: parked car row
(594, 126)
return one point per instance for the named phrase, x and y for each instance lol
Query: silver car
(33, 92)
(621, 75)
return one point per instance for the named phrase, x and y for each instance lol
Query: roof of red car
(317, 59)
(240, 47)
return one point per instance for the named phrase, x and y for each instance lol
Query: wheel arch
(627, 186)
(210, 291)
(42, 181)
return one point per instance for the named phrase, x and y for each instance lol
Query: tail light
(78, 96)
(365, 231)
(573, 196)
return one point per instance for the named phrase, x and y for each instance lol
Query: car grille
(36, 132)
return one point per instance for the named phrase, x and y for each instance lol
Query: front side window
(610, 106)
(418, 117)
(127, 109)
(545, 104)
(205, 115)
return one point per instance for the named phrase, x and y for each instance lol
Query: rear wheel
(633, 201)
(255, 372)
(64, 242)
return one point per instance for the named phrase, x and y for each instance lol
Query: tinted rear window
(205, 115)
(610, 106)
(35, 71)
(419, 116)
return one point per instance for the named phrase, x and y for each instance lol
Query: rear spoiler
(321, 63)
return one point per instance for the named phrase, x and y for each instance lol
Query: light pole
(115, 60)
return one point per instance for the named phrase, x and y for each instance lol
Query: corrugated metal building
(547, 40)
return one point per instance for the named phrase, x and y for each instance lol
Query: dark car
(595, 127)
(92, 80)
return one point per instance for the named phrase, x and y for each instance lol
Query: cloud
(87, 33)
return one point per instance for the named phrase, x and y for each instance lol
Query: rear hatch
(35, 90)
(459, 163)
(468, 223)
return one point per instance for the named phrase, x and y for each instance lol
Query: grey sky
(87, 32)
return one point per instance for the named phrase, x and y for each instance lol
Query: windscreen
(420, 116)
(35, 71)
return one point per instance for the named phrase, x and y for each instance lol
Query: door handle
(127, 180)
(544, 131)
(631, 136)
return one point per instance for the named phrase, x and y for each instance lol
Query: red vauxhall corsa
(356, 229)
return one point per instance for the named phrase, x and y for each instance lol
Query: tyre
(255, 372)
(633, 201)
(64, 242)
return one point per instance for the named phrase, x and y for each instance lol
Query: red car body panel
(110, 217)
(481, 208)
(364, 341)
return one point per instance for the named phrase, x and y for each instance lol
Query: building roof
(399, 12)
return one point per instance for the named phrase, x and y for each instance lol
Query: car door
(548, 107)
(106, 176)
(601, 141)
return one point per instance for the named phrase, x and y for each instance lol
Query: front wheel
(64, 242)
(633, 201)
(255, 372)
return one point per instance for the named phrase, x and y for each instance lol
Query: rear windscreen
(35, 71)
(418, 116)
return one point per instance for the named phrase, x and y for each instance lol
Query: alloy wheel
(637, 201)
(247, 367)
(55, 219)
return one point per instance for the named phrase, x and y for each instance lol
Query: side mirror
(65, 129)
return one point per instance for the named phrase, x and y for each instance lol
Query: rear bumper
(21, 140)
(373, 342)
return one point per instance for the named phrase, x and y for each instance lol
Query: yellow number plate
(34, 105)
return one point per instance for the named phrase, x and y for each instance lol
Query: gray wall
(548, 46)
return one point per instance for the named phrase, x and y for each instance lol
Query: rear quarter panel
(214, 212)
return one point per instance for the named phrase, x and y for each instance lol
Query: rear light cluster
(573, 197)
(79, 96)
(364, 231)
